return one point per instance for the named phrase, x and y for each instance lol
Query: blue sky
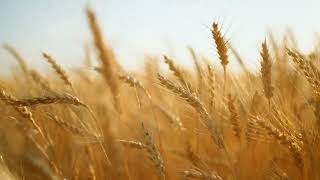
(139, 27)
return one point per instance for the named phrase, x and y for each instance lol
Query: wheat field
(102, 122)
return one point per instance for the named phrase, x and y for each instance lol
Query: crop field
(206, 122)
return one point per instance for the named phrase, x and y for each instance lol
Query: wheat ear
(153, 152)
(221, 46)
(58, 69)
(234, 117)
(195, 102)
(193, 157)
(266, 71)
(106, 56)
(284, 139)
(26, 113)
(18, 57)
(173, 119)
(200, 174)
(70, 127)
(306, 69)
(212, 86)
(39, 100)
(176, 71)
(133, 144)
(37, 78)
(133, 82)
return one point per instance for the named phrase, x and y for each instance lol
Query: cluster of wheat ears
(103, 123)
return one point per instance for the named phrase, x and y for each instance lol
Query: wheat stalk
(87, 58)
(91, 162)
(197, 64)
(239, 59)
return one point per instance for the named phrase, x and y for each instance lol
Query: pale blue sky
(139, 27)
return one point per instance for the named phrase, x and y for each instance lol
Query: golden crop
(105, 123)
